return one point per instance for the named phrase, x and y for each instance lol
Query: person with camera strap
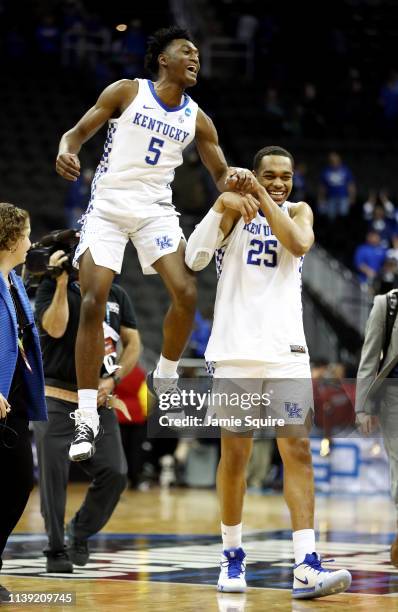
(57, 313)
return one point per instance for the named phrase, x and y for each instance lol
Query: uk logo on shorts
(164, 242)
(293, 410)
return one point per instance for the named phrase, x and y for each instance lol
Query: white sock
(88, 399)
(231, 536)
(303, 544)
(166, 368)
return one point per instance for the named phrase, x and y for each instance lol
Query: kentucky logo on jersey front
(164, 242)
(160, 127)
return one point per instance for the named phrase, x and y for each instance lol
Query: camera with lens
(37, 262)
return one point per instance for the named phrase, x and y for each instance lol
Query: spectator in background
(389, 103)
(300, 182)
(369, 258)
(129, 50)
(337, 190)
(47, 36)
(387, 278)
(384, 227)
(274, 113)
(373, 201)
(312, 121)
(246, 28)
(200, 335)
(77, 197)
(393, 252)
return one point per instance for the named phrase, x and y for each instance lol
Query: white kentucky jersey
(258, 310)
(142, 149)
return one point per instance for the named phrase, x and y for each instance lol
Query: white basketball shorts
(153, 237)
(281, 390)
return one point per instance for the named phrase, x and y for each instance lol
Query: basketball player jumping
(131, 198)
(258, 334)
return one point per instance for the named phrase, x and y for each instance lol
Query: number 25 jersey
(258, 309)
(142, 149)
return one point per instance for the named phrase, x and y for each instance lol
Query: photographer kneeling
(57, 313)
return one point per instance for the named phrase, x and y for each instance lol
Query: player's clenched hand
(68, 166)
(246, 204)
(4, 407)
(240, 179)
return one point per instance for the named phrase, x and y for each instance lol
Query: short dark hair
(159, 41)
(271, 150)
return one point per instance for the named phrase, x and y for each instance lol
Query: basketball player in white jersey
(149, 125)
(258, 334)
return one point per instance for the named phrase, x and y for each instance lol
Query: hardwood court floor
(159, 553)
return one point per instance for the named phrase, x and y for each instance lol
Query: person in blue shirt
(369, 257)
(337, 190)
(21, 375)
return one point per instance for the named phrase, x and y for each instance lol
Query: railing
(337, 287)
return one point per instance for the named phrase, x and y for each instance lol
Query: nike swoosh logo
(302, 581)
(149, 107)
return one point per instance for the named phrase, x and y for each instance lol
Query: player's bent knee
(186, 293)
(93, 307)
(297, 450)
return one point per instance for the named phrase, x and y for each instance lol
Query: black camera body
(37, 263)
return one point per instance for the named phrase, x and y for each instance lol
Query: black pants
(107, 469)
(16, 474)
(133, 437)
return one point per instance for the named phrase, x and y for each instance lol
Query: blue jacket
(9, 350)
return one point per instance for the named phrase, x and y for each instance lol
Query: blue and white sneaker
(232, 571)
(312, 580)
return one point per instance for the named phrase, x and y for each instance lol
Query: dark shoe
(394, 552)
(77, 548)
(4, 594)
(58, 562)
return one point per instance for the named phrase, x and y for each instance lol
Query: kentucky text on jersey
(160, 127)
(258, 228)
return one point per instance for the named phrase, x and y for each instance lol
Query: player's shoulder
(301, 208)
(122, 90)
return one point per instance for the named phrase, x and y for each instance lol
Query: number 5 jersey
(142, 149)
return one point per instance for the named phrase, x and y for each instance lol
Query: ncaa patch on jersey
(188, 112)
(297, 348)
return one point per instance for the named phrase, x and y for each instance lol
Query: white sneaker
(231, 602)
(312, 580)
(87, 430)
(232, 571)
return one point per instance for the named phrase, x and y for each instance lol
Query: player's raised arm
(217, 224)
(295, 231)
(115, 98)
(226, 178)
